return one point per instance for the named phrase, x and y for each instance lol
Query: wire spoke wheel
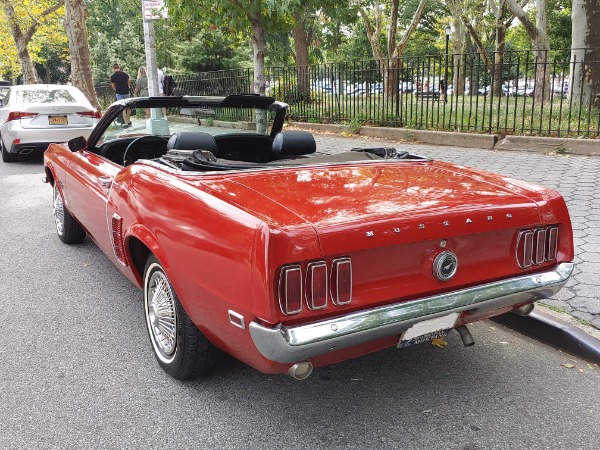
(58, 211)
(161, 315)
(179, 347)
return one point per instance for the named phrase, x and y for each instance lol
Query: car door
(88, 183)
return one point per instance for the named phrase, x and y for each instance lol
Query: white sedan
(33, 116)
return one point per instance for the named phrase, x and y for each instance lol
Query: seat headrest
(293, 143)
(192, 140)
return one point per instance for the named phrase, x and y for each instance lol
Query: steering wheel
(144, 147)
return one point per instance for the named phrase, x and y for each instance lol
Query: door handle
(105, 182)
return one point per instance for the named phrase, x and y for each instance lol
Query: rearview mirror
(77, 144)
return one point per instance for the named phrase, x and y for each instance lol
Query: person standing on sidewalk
(161, 90)
(120, 82)
(141, 87)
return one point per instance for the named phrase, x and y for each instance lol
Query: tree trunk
(301, 45)
(584, 85)
(458, 50)
(500, 47)
(539, 40)
(391, 70)
(258, 42)
(21, 41)
(81, 68)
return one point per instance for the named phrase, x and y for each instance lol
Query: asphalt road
(77, 371)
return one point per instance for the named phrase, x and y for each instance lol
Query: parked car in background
(406, 86)
(376, 88)
(4, 86)
(290, 258)
(33, 116)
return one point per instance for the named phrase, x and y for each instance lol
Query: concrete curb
(545, 145)
(560, 146)
(554, 332)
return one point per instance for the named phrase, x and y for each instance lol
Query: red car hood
(379, 200)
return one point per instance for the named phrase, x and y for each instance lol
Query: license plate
(58, 120)
(428, 330)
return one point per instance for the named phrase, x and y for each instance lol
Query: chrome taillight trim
(283, 274)
(539, 255)
(552, 241)
(335, 270)
(310, 269)
(536, 246)
(524, 260)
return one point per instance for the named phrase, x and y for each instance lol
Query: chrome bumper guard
(297, 343)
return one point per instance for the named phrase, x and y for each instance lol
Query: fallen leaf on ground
(568, 365)
(439, 342)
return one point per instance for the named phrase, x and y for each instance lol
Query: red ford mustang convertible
(288, 258)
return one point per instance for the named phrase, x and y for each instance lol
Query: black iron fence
(511, 93)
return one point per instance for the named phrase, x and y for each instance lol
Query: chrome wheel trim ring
(161, 316)
(58, 209)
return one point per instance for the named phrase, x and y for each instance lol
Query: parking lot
(78, 372)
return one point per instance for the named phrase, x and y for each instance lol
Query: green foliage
(126, 49)
(209, 51)
(559, 24)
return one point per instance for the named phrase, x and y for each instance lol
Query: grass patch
(478, 114)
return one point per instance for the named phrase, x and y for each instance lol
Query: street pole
(448, 31)
(156, 125)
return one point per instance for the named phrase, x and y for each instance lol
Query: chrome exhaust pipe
(524, 310)
(25, 151)
(465, 335)
(301, 370)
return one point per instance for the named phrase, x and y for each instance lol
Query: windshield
(214, 121)
(44, 96)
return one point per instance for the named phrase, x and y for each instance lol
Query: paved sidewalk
(575, 177)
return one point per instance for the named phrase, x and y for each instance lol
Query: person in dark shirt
(120, 82)
(443, 88)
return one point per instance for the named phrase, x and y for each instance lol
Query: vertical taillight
(316, 285)
(341, 281)
(290, 289)
(536, 246)
(551, 243)
(539, 246)
(525, 249)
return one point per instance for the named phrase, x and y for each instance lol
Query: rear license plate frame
(58, 120)
(427, 330)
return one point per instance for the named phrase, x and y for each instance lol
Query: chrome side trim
(297, 343)
(236, 319)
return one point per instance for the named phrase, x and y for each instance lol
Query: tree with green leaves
(585, 54)
(24, 19)
(251, 17)
(81, 67)
(389, 57)
(541, 46)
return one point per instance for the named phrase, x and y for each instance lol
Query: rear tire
(179, 347)
(67, 228)
(6, 156)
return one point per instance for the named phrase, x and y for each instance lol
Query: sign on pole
(155, 9)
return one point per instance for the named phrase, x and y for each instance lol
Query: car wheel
(180, 348)
(67, 228)
(6, 156)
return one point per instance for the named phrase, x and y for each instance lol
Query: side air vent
(117, 238)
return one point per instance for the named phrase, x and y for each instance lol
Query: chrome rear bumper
(296, 343)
